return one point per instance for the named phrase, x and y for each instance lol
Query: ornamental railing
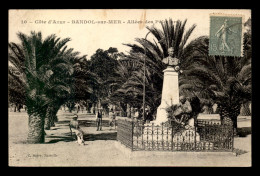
(205, 136)
(125, 132)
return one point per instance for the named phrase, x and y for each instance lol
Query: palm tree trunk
(47, 124)
(225, 116)
(94, 108)
(55, 111)
(245, 110)
(228, 115)
(54, 119)
(36, 129)
(51, 116)
(123, 108)
(47, 119)
(52, 122)
(88, 108)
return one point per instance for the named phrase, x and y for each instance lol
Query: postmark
(226, 35)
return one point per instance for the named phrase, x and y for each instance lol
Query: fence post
(172, 134)
(195, 136)
(232, 138)
(132, 135)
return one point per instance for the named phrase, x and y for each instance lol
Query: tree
(16, 91)
(225, 80)
(16, 78)
(47, 71)
(83, 82)
(122, 88)
(61, 84)
(245, 109)
(103, 64)
(171, 35)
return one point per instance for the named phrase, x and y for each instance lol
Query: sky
(88, 33)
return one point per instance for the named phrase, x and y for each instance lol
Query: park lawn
(61, 150)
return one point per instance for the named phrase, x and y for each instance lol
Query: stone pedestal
(170, 94)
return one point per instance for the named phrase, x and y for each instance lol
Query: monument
(170, 90)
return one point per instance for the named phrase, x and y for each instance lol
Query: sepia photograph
(129, 88)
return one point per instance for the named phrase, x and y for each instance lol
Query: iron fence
(205, 136)
(125, 132)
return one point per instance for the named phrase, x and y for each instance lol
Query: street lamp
(144, 80)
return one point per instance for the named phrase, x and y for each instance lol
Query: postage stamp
(226, 35)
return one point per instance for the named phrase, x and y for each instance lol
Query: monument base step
(141, 153)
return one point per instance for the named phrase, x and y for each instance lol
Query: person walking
(136, 114)
(112, 119)
(99, 119)
(77, 108)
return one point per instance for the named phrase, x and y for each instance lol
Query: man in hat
(74, 127)
(99, 119)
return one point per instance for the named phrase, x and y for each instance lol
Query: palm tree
(60, 84)
(122, 88)
(84, 81)
(172, 34)
(225, 80)
(16, 78)
(245, 110)
(103, 64)
(46, 71)
(16, 91)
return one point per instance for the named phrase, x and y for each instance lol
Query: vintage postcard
(129, 87)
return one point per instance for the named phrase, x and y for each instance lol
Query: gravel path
(101, 149)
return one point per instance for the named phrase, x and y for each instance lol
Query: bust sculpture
(171, 61)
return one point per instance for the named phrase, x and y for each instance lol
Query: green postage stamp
(226, 35)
